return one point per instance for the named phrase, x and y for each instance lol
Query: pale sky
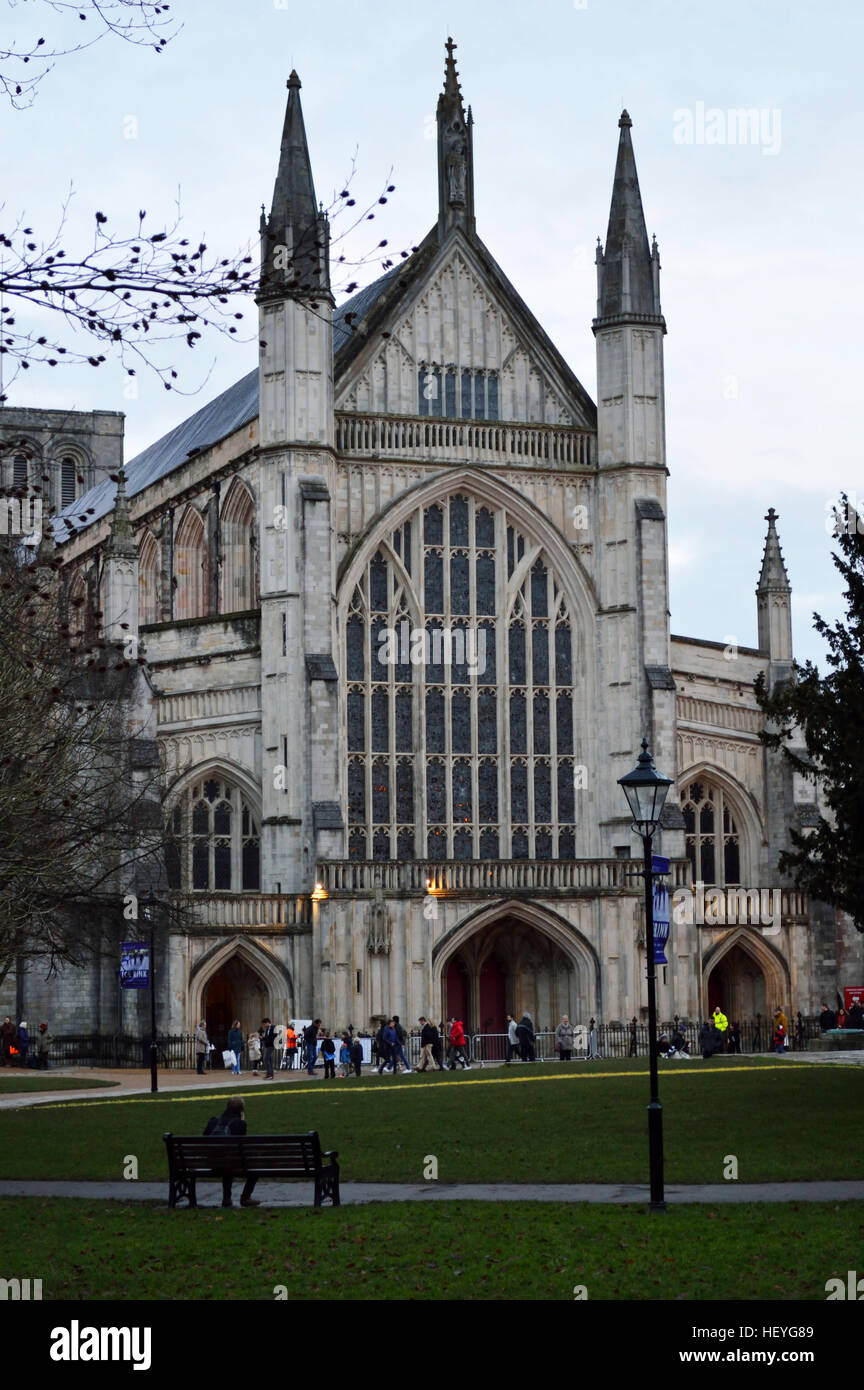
(759, 241)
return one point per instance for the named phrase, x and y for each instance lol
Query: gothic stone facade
(403, 597)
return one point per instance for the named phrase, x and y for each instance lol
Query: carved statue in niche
(456, 166)
(379, 930)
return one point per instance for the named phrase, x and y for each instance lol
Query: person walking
(202, 1042)
(23, 1041)
(779, 1038)
(268, 1047)
(344, 1056)
(232, 1121)
(458, 1045)
(43, 1045)
(428, 1041)
(525, 1032)
(399, 1047)
(512, 1038)
(564, 1039)
(854, 1018)
(328, 1052)
(387, 1049)
(253, 1047)
(733, 1037)
(593, 1043)
(310, 1037)
(235, 1045)
(290, 1047)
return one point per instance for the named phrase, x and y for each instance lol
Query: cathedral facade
(403, 598)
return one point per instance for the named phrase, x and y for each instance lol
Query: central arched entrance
(238, 978)
(516, 960)
(235, 991)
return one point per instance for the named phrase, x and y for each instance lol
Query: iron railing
(177, 1051)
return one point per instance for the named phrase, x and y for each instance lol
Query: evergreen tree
(826, 713)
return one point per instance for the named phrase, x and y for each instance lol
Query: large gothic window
(213, 840)
(712, 837)
(459, 663)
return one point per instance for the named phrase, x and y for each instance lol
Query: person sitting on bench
(232, 1121)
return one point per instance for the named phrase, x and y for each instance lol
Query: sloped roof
(228, 412)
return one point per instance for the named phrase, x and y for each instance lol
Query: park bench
(214, 1157)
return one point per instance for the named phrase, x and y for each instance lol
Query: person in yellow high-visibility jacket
(721, 1022)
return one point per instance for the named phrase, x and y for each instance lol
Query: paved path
(300, 1195)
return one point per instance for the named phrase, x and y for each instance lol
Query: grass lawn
(548, 1123)
(453, 1250)
(9, 1085)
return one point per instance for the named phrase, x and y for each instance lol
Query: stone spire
(121, 540)
(773, 575)
(455, 154)
(773, 598)
(295, 239)
(628, 273)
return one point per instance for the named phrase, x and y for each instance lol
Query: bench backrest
(230, 1153)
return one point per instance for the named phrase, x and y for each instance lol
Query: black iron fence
(617, 1039)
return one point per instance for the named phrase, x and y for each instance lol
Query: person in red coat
(458, 1045)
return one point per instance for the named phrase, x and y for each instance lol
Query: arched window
(239, 587)
(459, 661)
(713, 840)
(190, 567)
(68, 482)
(76, 606)
(148, 578)
(20, 470)
(213, 840)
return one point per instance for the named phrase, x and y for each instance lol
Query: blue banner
(661, 921)
(134, 965)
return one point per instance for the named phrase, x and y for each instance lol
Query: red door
(457, 992)
(493, 991)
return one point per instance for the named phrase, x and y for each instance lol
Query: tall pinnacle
(455, 154)
(295, 237)
(773, 576)
(121, 540)
(628, 281)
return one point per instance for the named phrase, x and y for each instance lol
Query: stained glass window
(460, 730)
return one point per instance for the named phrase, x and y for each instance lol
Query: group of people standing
(15, 1045)
(829, 1020)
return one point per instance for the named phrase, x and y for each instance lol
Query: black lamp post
(147, 912)
(645, 789)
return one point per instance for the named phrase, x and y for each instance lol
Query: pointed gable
(434, 325)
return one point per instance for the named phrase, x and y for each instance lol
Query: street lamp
(147, 912)
(645, 789)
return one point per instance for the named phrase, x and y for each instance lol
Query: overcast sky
(760, 241)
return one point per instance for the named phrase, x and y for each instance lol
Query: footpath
(300, 1195)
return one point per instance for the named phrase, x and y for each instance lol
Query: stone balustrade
(461, 441)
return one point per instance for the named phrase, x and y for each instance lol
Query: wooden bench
(215, 1157)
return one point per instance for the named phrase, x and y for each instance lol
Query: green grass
(453, 1250)
(9, 1085)
(546, 1124)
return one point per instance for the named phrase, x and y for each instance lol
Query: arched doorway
(737, 986)
(236, 990)
(745, 976)
(515, 963)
